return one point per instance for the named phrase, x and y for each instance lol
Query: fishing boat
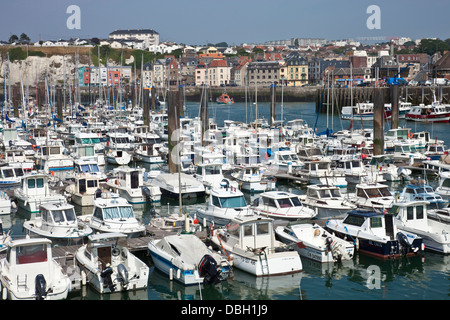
(35, 191)
(354, 171)
(224, 204)
(363, 111)
(375, 234)
(112, 213)
(436, 112)
(250, 240)
(16, 158)
(419, 190)
(412, 217)
(314, 242)
(109, 266)
(187, 259)
(285, 161)
(282, 205)
(326, 200)
(59, 223)
(89, 166)
(29, 272)
(83, 188)
(251, 178)
(129, 184)
(51, 157)
(224, 99)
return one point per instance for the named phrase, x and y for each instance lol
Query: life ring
(410, 135)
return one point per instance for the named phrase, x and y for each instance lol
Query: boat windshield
(64, 215)
(118, 212)
(233, 202)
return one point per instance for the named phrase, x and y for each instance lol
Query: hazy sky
(232, 21)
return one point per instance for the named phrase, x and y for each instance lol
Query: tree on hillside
(13, 38)
(431, 46)
(24, 39)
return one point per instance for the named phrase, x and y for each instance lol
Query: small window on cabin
(419, 212)
(375, 222)
(31, 254)
(262, 228)
(248, 230)
(31, 183)
(40, 183)
(410, 213)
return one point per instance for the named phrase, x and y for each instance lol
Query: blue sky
(235, 22)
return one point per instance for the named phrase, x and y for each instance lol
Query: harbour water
(425, 277)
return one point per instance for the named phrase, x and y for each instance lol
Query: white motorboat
(29, 272)
(118, 157)
(109, 266)
(169, 184)
(419, 190)
(285, 161)
(282, 205)
(88, 166)
(250, 240)
(83, 189)
(320, 172)
(10, 176)
(5, 203)
(412, 217)
(211, 176)
(129, 184)
(224, 204)
(354, 171)
(112, 213)
(372, 196)
(52, 158)
(34, 191)
(375, 234)
(5, 238)
(384, 164)
(443, 188)
(314, 242)
(326, 200)
(251, 179)
(17, 158)
(59, 223)
(147, 153)
(188, 260)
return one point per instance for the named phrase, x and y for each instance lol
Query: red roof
(218, 63)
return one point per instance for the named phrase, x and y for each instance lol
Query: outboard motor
(207, 269)
(337, 256)
(123, 272)
(147, 193)
(40, 287)
(404, 243)
(107, 280)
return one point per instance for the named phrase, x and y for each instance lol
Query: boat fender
(40, 285)
(123, 272)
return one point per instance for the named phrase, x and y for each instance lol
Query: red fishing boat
(225, 99)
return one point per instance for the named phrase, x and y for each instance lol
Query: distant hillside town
(293, 62)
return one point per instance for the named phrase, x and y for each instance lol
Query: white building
(149, 36)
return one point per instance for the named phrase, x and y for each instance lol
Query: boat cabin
(35, 185)
(102, 246)
(54, 214)
(278, 200)
(251, 232)
(323, 191)
(130, 178)
(373, 190)
(381, 225)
